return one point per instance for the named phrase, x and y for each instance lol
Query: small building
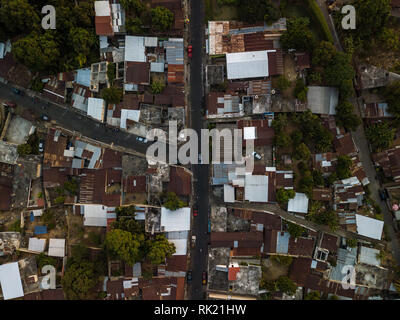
(369, 256)
(322, 100)
(299, 204)
(103, 19)
(369, 227)
(245, 65)
(10, 281)
(36, 244)
(96, 108)
(57, 248)
(96, 215)
(178, 220)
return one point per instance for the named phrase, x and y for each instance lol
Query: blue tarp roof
(83, 77)
(40, 230)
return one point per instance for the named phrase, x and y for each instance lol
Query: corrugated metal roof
(282, 242)
(243, 65)
(174, 51)
(369, 256)
(157, 67)
(299, 203)
(135, 49)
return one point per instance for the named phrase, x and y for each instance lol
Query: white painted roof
(256, 188)
(102, 8)
(36, 244)
(249, 133)
(369, 227)
(368, 256)
(96, 108)
(57, 248)
(95, 215)
(299, 203)
(150, 41)
(229, 193)
(322, 100)
(10, 281)
(37, 213)
(134, 49)
(129, 114)
(251, 64)
(180, 246)
(178, 220)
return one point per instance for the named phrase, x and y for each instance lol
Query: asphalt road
(200, 172)
(74, 121)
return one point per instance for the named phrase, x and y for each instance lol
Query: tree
(314, 295)
(298, 35)
(24, 149)
(323, 54)
(157, 87)
(338, 70)
(279, 123)
(325, 217)
(282, 140)
(42, 259)
(391, 93)
(295, 230)
(285, 285)
(79, 280)
(161, 19)
(283, 195)
(128, 224)
(129, 211)
(253, 11)
(112, 95)
(380, 135)
(302, 152)
(344, 164)
(306, 183)
(37, 85)
(351, 242)
(318, 178)
(345, 116)
(71, 186)
(282, 260)
(82, 41)
(111, 72)
(172, 202)
(124, 245)
(300, 91)
(282, 83)
(159, 249)
(39, 52)
(296, 137)
(390, 39)
(134, 25)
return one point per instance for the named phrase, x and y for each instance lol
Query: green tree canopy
(345, 116)
(351, 242)
(380, 135)
(298, 35)
(161, 19)
(314, 295)
(24, 149)
(172, 202)
(112, 95)
(302, 152)
(157, 87)
(79, 280)
(253, 11)
(124, 245)
(344, 164)
(159, 249)
(284, 284)
(128, 224)
(283, 195)
(295, 230)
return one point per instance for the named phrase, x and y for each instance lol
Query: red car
(9, 104)
(195, 212)
(190, 51)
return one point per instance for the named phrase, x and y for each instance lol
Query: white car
(141, 139)
(256, 155)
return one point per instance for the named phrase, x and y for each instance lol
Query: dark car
(189, 276)
(116, 129)
(382, 195)
(17, 91)
(204, 278)
(44, 117)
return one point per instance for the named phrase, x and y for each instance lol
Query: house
(36, 244)
(258, 130)
(244, 65)
(344, 145)
(137, 73)
(224, 105)
(178, 220)
(96, 109)
(57, 248)
(96, 215)
(180, 181)
(377, 110)
(389, 161)
(302, 60)
(103, 20)
(240, 243)
(322, 100)
(369, 227)
(299, 204)
(10, 281)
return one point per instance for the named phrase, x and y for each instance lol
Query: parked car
(382, 195)
(195, 211)
(44, 117)
(41, 146)
(204, 278)
(189, 51)
(256, 155)
(17, 91)
(193, 241)
(189, 276)
(141, 139)
(116, 129)
(9, 104)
